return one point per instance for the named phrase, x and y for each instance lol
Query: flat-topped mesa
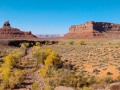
(7, 32)
(93, 29)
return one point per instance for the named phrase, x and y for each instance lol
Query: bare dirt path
(39, 80)
(31, 75)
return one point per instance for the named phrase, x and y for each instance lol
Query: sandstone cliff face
(94, 29)
(7, 32)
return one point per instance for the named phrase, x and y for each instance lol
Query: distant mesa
(94, 30)
(50, 35)
(7, 32)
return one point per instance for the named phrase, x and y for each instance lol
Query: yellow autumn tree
(11, 76)
(52, 57)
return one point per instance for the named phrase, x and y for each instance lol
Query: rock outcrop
(115, 86)
(64, 88)
(7, 32)
(94, 29)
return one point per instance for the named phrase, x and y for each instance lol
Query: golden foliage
(37, 44)
(43, 71)
(52, 57)
(35, 86)
(10, 75)
(11, 59)
(81, 42)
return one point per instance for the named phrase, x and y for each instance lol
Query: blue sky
(56, 16)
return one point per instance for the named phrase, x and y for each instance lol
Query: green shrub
(71, 42)
(43, 71)
(81, 42)
(49, 87)
(91, 80)
(108, 79)
(86, 88)
(35, 86)
(37, 44)
(65, 77)
(98, 80)
(41, 55)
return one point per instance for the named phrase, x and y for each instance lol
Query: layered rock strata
(7, 32)
(94, 29)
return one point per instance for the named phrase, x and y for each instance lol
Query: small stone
(64, 88)
(115, 86)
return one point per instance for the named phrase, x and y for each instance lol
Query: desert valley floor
(99, 58)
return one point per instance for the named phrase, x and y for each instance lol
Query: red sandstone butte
(94, 30)
(7, 32)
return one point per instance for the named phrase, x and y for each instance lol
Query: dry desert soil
(97, 57)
